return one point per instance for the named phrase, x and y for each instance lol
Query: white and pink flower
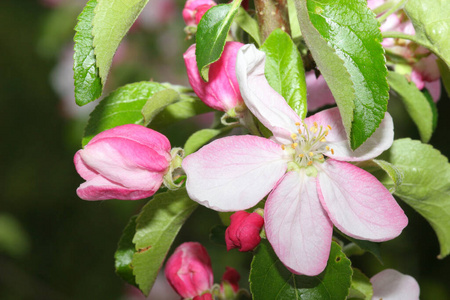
(390, 284)
(235, 173)
(194, 10)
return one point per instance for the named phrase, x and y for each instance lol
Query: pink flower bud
(243, 232)
(231, 277)
(207, 296)
(189, 270)
(126, 162)
(195, 9)
(221, 92)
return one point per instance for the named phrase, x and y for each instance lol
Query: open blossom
(221, 92)
(127, 162)
(243, 232)
(390, 284)
(189, 271)
(235, 173)
(195, 9)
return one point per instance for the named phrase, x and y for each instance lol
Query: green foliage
(284, 70)
(431, 23)
(345, 42)
(157, 103)
(445, 74)
(217, 235)
(426, 185)
(112, 20)
(362, 247)
(269, 278)
(394, 173)
(201, 137)
(88, 85)
(125, 251)
(212, 32)
(248, 24)
(123, 106)
(361, 287)
(416, 104)
(14, 240)
(156, 227)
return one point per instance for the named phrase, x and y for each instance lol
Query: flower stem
(272, 14)
(392, 10)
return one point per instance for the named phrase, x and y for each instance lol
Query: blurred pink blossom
(390, 284)
(195, 9)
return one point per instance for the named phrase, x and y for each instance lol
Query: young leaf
(157, 103)
(123, 106)
(426, 185)
(112, 20)
(431, 22)
(201, 137)
(445, 74)
(156, 227)
(269, 278)
(415, 102)
(284, 70)
(88, 85)
(248, 24)
(345, 42)
(125, 251)
(394, 173)
(212, 32)
(361, 287)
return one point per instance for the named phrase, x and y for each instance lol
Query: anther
(301, 155)
(332, 151)
(311, 154)
(309, 163)
(329, 127)
(315, 124)
(294, 145)
(328, 148)
(299, 131)
(297, 123)
(323, 140)
(293, 136)
(283, 147)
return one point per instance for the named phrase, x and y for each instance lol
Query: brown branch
(272, 14)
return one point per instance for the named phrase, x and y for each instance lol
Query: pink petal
(99, 188)
(234, 173)
(358, 204)
(297, 226)
(337, 139)
(434, 87)
(319, 94)
(390, 284)
(262, 100)
(139, 134)
(124, 161)
(372, 4)
(85, 172)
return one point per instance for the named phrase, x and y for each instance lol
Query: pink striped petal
(390, 284)
(297, 226)
(121, 160)
(337, 140)
(262, 100)
(358, 204)
(100, 188)
(139, 134)
(234, 173)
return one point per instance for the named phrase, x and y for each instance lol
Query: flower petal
(390, 284)
(357, 203)
(297, 226)
(133, 165)
(337, 140)
(262, 100)
(99, 188)
(234, 173)
(139, 134)
(319, 94)
(434, 87)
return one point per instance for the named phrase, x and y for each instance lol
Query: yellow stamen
(332, 151)
(315, 124)
(311, 154)
(301, 155)
(297, 123)
(323, 140)
(309, 163)
(299, 131)
(283, 147)
(294, 145)
(293, 136)
(328, 148)
(329, 127)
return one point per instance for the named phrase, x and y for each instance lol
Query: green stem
(393, 9)
(400, 35)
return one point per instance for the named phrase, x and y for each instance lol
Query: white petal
(393, 285)
(297, 226)
(262, 100)
(234, 173)
(357, 203)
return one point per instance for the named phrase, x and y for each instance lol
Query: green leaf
(345, 41)
(14, 240)
(269, 278)
(426, 185)
(248, 24)
(157, 103)
(431, 20)
(112, 20)
(156, 227)
(123, 106)
(359, 247)
(125, 251)
(284, 70)
(88, 85)
(415, 102)
(212, 32)
(217, 235)
(361, 286)
(394, 173)
(201, 137)
(445, 74)
(433, 107)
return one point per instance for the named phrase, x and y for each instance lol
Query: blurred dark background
(54, 245)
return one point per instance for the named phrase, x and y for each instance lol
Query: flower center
(308, 144)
